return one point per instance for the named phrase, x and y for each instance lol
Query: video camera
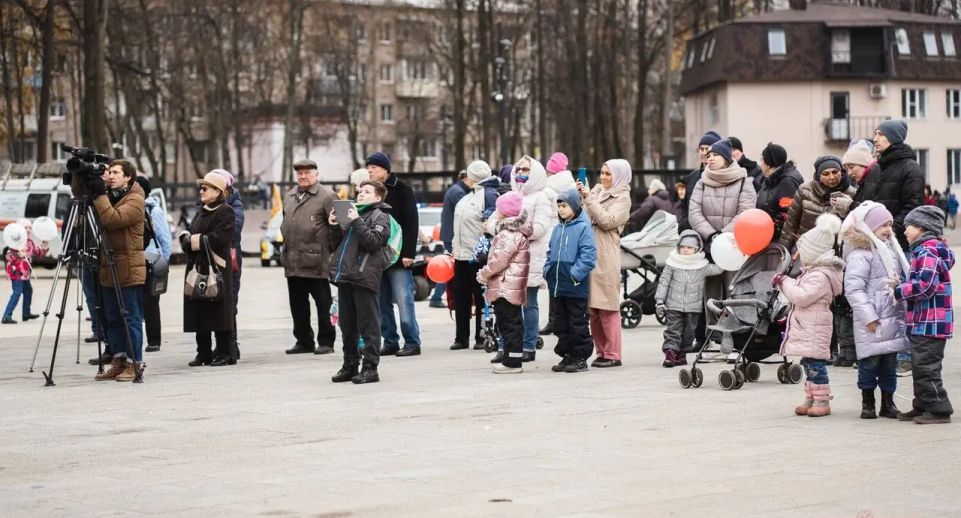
(84, 164)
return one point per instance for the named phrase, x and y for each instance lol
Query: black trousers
(679, 330)
(151, 315)
(468, 298)
(844, 333)
(573, 332)
(510, 323)
(299, 292)
(359, 310)
(926, 357)
(224, 344)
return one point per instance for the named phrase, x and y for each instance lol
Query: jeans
(904, 356)
(19, 288)
(438, 294)
(879, 370)
(531, 320)
(115, 321)
(816, 370)
(90, 297)
(397, 287)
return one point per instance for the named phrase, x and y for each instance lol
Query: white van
(31, 191)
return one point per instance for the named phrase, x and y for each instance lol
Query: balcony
(416, 89)
(849, 128)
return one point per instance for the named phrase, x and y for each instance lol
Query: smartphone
(340, 210)
(582, 175)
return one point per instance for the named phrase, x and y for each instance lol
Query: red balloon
(440, 268)
(753, 231)
(437, 232)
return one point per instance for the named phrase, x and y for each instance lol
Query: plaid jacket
(928, 291)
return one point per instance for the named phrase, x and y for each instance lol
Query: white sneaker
(500, 368)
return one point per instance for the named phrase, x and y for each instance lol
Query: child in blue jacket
(571, 256)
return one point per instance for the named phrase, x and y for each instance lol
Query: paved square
(441, 435)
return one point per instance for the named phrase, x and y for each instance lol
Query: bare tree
(93, 124)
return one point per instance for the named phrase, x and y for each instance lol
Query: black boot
(368, 374)
(498, 358)
(887, 406)
(346, 373)
(528, 356)
(867, 405)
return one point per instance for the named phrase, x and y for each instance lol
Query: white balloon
(725, 252)
(15, 236)
(25, 223)
(44, 228)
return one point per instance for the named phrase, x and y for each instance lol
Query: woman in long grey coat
(214, 227)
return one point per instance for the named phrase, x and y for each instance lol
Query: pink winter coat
(509, 261)
(811, 322)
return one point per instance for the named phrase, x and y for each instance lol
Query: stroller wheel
(738, 379)
(752, 372)
(782, 373)
(490, 345)
(540, 343)
(630, 314)
(726, 379)
(661, 320)
(697, 377)
(794, 373)
(684, 378)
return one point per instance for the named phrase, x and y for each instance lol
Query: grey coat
(870, 300)
(681, 289)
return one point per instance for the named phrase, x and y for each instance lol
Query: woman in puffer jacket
(815, 197)
(723, 193)
(873, 256)
(505, 274)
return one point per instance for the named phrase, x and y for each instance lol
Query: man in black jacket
(397, 283)
(901, 186)
(753, 171)
(703, 146)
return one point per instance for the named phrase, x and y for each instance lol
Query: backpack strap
(149, 224)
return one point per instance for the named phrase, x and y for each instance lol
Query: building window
(413, 112)
(776, 44)
(930, 44)
(385, 33)
(387, 113)
(704, 51)
(922, 157)
(954, 103)
(954, 166)
(58, 109)
(386, 74)
(713, 114)
(428, 148)
(912, 103)
(690, 55)
(841, 46)
(710, 49)
(57, 154)
(170, 150)
(901, 37)
(947, 43)
(415, 70)
(360, 31)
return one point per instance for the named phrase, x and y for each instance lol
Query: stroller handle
(718, 306)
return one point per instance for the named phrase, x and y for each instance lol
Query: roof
(844, 14)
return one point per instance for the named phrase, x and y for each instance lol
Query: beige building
(817, 76)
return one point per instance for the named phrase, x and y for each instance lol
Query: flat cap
(305, 163)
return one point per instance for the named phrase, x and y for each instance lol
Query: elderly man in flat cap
(305, 257)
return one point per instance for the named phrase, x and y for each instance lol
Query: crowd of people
(865, 230)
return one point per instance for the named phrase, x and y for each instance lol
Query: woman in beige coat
(608, 205)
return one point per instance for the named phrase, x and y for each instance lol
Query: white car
(429, 219)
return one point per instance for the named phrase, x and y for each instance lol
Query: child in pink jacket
(18, 270)
(810, 322)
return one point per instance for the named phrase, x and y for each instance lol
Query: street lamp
(501, 74)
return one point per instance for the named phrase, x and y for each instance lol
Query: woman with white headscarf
(608, 205)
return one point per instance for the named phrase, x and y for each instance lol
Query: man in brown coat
(306, 256)
(120, 208)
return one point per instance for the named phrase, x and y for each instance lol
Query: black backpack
(148, 232)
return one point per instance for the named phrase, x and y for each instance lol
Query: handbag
(207, 287)
(158, 270)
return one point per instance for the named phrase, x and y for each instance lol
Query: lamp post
(445, 122)
(500, 96)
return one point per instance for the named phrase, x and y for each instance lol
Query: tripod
(83, 223)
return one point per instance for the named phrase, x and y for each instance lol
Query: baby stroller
(750, 323)
(644, 253)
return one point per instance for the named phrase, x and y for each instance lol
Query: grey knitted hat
(928, 217)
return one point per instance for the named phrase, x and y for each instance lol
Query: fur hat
(510, 204)
(557, 163)
(820, 240)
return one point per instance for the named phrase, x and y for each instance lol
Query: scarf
(117, 194)
(723, 177)
(686, 262)
(620, 172)
(926, 236)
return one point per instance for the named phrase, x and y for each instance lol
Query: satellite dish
(44, 228)
(15, 236)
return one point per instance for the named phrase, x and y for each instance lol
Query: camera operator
(119, 203)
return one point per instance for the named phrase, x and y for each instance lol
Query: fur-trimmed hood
(518, 223)
(856, 240)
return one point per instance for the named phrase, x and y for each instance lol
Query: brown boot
(129, 371)
(822, 400)
(116, 367)
(803, 408)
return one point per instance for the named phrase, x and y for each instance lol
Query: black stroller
(750, 323)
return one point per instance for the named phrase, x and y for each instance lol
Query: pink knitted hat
(510, 204)
(557, 163)
(877, 216)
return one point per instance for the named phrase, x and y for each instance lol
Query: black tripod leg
(56, 339)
